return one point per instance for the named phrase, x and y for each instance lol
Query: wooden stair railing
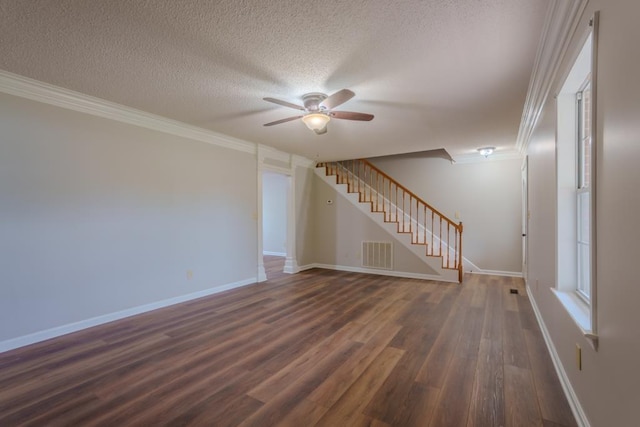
(441, 236)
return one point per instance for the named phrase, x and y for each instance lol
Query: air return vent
(377, 255)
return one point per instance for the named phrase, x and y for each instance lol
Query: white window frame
(575, 282)
(583, 191)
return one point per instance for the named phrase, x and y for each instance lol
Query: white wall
(486, 194)
(97, 216)
(275, 188)
(608, 387)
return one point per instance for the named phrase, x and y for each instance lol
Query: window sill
(580, 312)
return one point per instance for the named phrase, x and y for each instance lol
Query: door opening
(275, 191)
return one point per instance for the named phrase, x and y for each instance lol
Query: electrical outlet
(189, 274)
(457, 215)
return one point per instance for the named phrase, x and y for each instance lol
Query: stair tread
(380, 204)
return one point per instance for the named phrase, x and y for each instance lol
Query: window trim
(582, 311)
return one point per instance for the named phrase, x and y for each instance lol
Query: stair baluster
(390, 198)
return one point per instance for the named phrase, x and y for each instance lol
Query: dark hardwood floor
(274, 266)
(319, 348)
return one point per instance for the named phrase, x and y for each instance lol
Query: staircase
(419, 226)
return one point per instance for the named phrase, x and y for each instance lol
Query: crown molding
(24, 87)
(560, 24)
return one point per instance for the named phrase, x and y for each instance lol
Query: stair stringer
(434, 262)
(417, 233)
(467, 265)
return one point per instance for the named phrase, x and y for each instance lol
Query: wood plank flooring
(319, 348)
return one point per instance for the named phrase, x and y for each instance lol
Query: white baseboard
(291, 266)
(99, 320)
(274, 253)
(572, 398)
(262, 273)
(497, 273)
(402, 274)
(470, 267)
(306, 267)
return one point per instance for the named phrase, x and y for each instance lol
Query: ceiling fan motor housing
(312, 101)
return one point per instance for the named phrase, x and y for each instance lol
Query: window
(576, 185)
(583, 192)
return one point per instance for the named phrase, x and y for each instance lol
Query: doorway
(275, 192)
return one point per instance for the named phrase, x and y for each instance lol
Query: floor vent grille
(377, 255)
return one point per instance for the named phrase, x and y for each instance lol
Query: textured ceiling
(447, 74)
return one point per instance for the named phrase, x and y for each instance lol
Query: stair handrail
(411, 193)
(458, 227)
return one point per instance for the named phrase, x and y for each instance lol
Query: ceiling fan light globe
(486, 151)
(316, 121)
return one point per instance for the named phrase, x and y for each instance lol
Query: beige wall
(608, 387)
(486, 194)
(97, 217)
(305, 215)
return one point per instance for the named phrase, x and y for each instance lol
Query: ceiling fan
(318, 110)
